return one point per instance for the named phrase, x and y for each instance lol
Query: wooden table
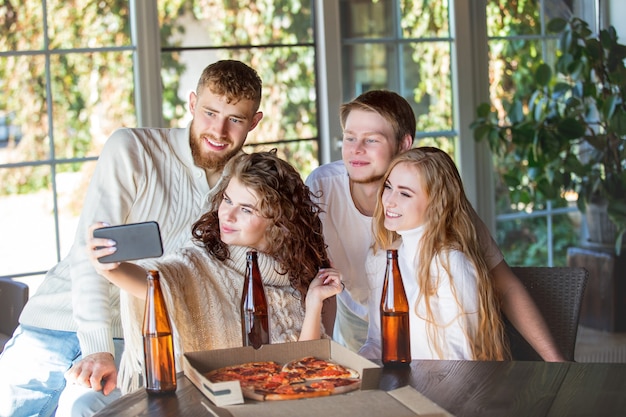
(464, 388)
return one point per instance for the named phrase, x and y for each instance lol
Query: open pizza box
(365, 402)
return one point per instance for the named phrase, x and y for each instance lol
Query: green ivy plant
(569, 133)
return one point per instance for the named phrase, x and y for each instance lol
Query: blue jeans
(32, 368)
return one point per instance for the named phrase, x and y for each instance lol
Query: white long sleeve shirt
(458, 319)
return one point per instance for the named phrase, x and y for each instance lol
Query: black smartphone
(133, 241)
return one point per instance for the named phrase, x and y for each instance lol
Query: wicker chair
(13, 298)
(558, 293)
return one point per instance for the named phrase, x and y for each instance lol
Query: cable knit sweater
(203, 297)
(141, 175)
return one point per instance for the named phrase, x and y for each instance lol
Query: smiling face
(240, 221)
(219, 128)
(368, 146)
(404, 198)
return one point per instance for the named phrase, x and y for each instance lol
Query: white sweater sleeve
(459, 320)
(109, 198)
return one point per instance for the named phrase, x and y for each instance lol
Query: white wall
(616, 15)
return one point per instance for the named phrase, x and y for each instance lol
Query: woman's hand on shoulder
(326, 283)
(99, 247)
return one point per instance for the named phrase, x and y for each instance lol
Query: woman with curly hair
(261, 204)
(422, 211)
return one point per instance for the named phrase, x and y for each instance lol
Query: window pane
(21, 24)
(506, 18)
(93, 96)
(296, 153)
(446, 143)
(289, 97)
(511, 68)
(71, 183)
(23, 122)
(28, 220)
(425, 19)
(366, 19)
(226, 23)
(368, 66)
(88, 24)
(424, 73)
(525, 241)
(427, 76)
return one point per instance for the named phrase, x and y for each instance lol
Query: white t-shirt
(348, 234)
(458, 321)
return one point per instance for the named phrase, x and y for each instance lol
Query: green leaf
(511, 180)
(549, 190)
(574, 69)
(538, 109)
(594, 49)
(561, 88)
(557, 25)
(483, 110)
(516, 112)
(617, 123)
(565, 41)
(543, 74)
(605, 38)
(481, 131)
(572, 164)
(570, 128)
(609, 107)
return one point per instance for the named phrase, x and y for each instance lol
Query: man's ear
(192, 101)
(406, 143)
(255, 120)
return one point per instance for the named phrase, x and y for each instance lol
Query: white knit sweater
(203, 297)
(141, 175)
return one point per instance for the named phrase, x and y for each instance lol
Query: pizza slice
(312, 389)
(311, 368)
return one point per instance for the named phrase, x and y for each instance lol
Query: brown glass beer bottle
(254, 319)
(158, 344)
(394, 316)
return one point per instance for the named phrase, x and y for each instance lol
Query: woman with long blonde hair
(422, 211)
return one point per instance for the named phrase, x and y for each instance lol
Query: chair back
(13, 298)
(558, 293)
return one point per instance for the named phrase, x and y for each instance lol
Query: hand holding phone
(133, 241)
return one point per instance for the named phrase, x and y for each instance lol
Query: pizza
(310, 368)
(303, 378)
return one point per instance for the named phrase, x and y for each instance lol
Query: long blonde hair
(448, 226)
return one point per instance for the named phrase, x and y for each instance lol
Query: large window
(66, 83)
(405, 47)
(274, 37)
(530, 231)
(69, 75)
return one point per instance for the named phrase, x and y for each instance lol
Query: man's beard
(208, 160)
(372, 179)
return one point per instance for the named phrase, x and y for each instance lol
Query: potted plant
(569, 133)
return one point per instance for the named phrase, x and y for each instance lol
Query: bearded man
(66, 351)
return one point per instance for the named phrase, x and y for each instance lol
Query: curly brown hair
(295, 236)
